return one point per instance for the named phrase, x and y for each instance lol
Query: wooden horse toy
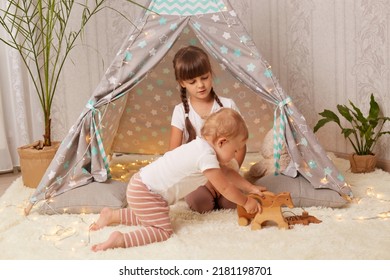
(271, 210)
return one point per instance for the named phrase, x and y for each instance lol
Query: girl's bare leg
(107, 217)
(116, 240)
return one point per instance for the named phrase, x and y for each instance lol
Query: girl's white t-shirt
(180, 171)
(178, 115)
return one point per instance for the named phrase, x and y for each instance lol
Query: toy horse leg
(255, 225)
(257, 221)
(282, 223)
(242, 221)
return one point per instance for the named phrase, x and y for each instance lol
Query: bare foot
(104, 219)
(116, 240)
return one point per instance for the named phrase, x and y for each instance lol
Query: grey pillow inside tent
(302, 192)
(87, 199)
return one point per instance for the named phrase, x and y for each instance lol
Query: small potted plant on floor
(363, 133)
(42, 33)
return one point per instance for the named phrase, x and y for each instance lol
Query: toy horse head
(284, 199)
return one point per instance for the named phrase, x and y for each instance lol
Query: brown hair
(226, 123)
(191, 62)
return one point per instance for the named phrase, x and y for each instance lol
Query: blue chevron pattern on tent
(187, 7)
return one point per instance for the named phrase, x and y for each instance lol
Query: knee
(163, 235)
(200, 200)
(224, 203)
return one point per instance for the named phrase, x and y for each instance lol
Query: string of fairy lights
(76, 234)
(371, 193)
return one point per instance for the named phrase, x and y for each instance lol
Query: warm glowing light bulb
(370, 192)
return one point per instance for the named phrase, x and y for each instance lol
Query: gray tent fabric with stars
(83, 155)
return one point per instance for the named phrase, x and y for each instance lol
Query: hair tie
(186, 115)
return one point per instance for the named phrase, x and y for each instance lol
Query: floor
(6, 180)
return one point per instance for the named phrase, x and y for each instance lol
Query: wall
(324, 53)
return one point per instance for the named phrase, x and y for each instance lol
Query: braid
(190, 128)
(216, 97)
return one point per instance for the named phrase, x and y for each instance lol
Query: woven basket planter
(362, 164)
(34, 162)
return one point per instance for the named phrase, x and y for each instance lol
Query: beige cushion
(87, 199)
(302, 192)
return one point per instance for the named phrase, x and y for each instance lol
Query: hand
(252, 206)
(259, 190)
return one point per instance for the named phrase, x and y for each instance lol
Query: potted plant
(363, 133)
(41, 32)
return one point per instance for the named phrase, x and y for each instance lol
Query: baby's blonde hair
(226, 123)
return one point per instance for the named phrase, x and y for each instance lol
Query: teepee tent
(131, 92)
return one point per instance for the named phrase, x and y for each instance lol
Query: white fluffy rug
(359, 231)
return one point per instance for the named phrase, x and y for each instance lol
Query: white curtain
(5, 156)
(20, 116)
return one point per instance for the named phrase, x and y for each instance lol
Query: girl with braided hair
(194, 75)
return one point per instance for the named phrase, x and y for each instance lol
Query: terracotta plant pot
(34, 162)
(362, 164)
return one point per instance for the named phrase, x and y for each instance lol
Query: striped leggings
(146, 209)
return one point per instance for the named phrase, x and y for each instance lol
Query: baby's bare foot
(116, 240)
(103, 220)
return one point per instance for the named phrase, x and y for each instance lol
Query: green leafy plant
(41, 31)
(364, 131)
